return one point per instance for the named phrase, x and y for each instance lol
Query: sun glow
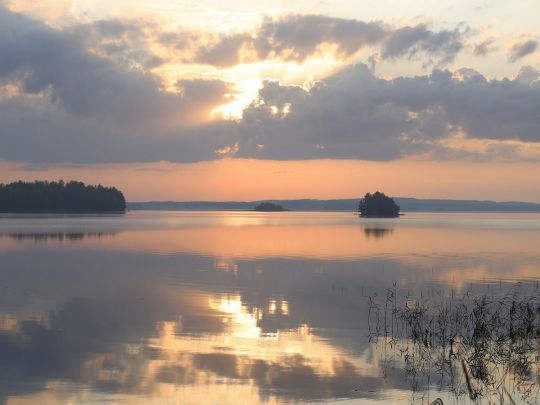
(247, 92)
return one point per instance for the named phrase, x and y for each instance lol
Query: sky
(240, 100)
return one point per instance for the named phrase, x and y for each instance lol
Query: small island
(269, 207)
(378, 205)
(60, 197)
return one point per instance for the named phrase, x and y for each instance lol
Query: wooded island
(269, 207)
(59, 197)
(378, 205)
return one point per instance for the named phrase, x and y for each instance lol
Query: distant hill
(415, 204)
(349, 204)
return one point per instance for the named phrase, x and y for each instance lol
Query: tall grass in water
(484, 347)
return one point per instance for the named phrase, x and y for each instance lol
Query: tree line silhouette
(378, 205)
(73, 196)
(268, 206)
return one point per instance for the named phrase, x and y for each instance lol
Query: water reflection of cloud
(133, 326)
(269, 313)
(84, 345)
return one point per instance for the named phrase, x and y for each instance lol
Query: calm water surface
(231, 307)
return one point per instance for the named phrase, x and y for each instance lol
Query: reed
(485, 347)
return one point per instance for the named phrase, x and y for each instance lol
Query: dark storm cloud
(522, 49)
(298, 37)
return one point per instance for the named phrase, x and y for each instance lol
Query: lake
(236, 307)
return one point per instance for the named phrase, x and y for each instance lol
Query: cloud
(485, 47)
(58, 66)
(62, 99)
(288, 38)
(225, 52)
(296, 37)
(354, 114)
(528, 75)
(66, 99)
(522, 49)
(299, 37)
(412, 40)
(125, 41)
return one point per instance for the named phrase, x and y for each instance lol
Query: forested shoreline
(59, 197)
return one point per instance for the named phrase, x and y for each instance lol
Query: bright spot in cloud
(247, 92)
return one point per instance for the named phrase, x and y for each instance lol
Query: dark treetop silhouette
(268, 206)
(378, 205)
(74, 196)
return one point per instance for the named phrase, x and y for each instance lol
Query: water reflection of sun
(241, 322)
(243, 336)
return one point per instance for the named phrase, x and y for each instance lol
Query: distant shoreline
(342, 205)
(59, 212)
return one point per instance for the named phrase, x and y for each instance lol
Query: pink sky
(249, 179)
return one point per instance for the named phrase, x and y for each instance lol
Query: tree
(269, 207)
(74, 196)
(378, 205)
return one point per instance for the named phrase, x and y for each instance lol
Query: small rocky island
(378, 205)
(60, 197)
(269, 207)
